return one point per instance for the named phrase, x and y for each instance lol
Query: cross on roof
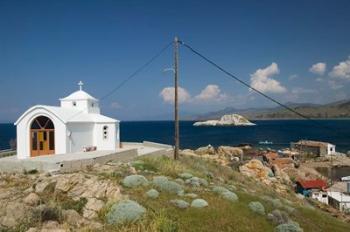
(80, 85)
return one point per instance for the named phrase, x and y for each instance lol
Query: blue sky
(46, 47)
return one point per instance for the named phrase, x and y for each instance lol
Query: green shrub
(152, 193)
(180, 203)
(75, 205)
(257, 207)
(289, 227)
(134, 181)
(126, 211)
(199, 203)
(163, 184)
(45, 213)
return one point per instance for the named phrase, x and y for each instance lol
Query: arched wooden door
(42, 137)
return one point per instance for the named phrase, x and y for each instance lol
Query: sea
(279, 132)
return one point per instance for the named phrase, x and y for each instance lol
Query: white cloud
(342, 70)
(293, 77)
(334, 85)
(168, 95)
(211, 92)
(261, 80)
(300, 90)
(115, 105)
(319, 68)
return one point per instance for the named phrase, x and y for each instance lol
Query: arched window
(74, 103)
(105, 132)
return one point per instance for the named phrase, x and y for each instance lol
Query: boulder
(126, 211)
(15, 213)
(208, 150)
(73, 218)
(32, 199)
(152, 193)
(43, 185)
(254, 168)
(199, 203)
(180, 203)
(92, 207)
(135, 181)
(92, 187)
(230, 152)
(257, 207)
(52, 226)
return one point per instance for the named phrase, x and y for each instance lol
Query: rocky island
(227, 120)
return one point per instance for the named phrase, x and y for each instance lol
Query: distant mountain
(340, 109)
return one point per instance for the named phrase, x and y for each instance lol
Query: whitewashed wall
(112, 139)
(81, 135)
(23, 132)
(330, 149)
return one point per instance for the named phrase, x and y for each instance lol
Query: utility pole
(176, 103)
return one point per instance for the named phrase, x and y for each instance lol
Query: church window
(92, 104)
(105, 132)
(74, 103)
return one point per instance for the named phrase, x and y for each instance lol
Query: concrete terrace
(79, 160)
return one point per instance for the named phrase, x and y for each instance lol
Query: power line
(137, 71)
(232, 76)
(121, 84)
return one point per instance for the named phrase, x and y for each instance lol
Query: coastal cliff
(227, 120)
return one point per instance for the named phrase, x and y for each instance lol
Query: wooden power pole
(176, 103)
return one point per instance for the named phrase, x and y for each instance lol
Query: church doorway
(42, 137)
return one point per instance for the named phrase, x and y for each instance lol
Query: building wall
(23, 132)
(320, 196)
(108, 141)
(88, 106)
(80, 135)
(330, 149)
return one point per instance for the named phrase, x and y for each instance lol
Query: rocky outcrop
(255, 168)
(227, 120)
(78, 185)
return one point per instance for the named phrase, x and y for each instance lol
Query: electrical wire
(232, 76)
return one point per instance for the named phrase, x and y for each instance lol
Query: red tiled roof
(313, 184)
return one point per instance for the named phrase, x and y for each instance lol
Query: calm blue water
(280, 132)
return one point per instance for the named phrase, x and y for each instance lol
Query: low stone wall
(76, 165)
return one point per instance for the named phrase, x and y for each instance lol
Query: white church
(75, 126)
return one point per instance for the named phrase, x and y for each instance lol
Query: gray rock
(180, 203)
(257, 207)
(152, 193)
(72, 217)
(199, 203)
(126, 211)
(32, 199)
(135, 181)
